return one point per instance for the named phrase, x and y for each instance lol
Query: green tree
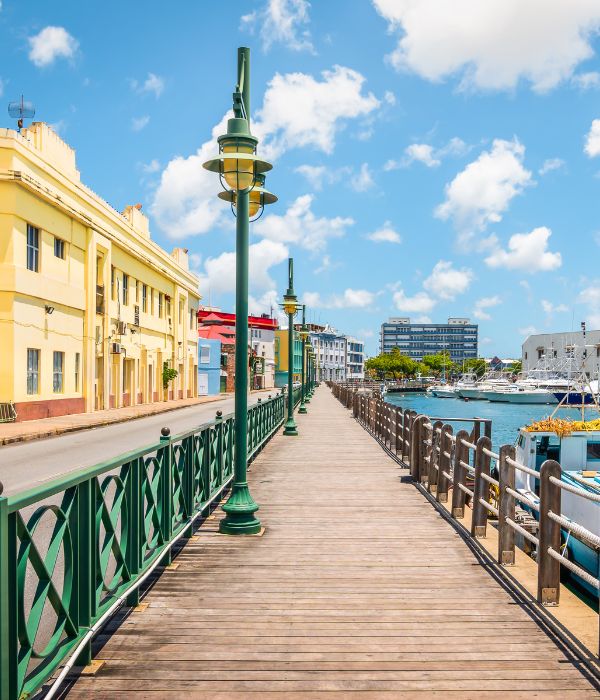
(168, 374)
(437, 363)
(516, 367)
(476, 365)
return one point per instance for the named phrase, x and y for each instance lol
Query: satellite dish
(20, 110)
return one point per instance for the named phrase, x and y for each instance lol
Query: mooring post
(506, 507)
(549, 535)
(481, 488)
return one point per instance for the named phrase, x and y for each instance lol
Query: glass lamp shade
(239, 173)
(290, 305)
(258, 197)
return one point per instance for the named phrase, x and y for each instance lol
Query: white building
(339, 357)
(262, 342)
(560, 347)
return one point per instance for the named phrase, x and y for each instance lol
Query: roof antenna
(20, 110)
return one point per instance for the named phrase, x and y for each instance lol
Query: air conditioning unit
(121, 327)
(115, 348)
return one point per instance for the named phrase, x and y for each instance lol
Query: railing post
(549, 535)
(506, 507)
(83, 526)
(8, 603)
(481, 488)
(133, 555)
(441, 495)
(416, 438)
(461, 454)
(166, 491)
(434, 456)
(219, 429)
(398, 432)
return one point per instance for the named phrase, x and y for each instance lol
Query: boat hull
(473, 394)
(524, 397)
(443, 393)
(574, 398)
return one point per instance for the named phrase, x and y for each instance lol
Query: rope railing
(457, 468)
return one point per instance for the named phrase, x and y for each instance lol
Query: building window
(137, 292)
(125, 289)
(160, 305)
(59, 248)
(33, 370)
(144, 298)
(33, 248)
(151, 301)
(168, 304)
(77, 370)
(193, 319)
(205, 354)
(112, 282)
(181, 308)
(58, 365)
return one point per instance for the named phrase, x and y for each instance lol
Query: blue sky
(430, 159)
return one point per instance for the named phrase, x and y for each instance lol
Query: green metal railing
(72, 547)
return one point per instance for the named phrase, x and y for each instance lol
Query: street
(25, 465)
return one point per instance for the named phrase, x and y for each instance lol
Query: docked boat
(490, 382)
(442, 391)
(521, 395)
(578, 453)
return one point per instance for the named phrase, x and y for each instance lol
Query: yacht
(578, 453)
(523, 395)
(443, 391)
(490, 382)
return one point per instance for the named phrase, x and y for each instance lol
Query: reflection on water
(506, 418)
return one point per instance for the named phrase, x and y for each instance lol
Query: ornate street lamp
(241, 173)
(290, 307)
(304, 332)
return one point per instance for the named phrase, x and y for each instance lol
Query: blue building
(209, 366)
(459, 337)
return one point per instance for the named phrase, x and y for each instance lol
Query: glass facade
(459, 338)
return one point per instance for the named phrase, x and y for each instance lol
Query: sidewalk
(48, 427)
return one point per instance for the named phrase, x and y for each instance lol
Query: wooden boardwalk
(357, 589)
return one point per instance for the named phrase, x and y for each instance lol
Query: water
(506, 418)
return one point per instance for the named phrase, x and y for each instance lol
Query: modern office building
(91, 309)
(459, 337)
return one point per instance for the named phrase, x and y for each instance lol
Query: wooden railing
(462, 468)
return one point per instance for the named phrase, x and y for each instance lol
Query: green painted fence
(72, 547)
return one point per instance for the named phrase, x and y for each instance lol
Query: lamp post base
(302, 408)
(290, 427)
(240, 509)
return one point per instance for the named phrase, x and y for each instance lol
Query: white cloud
(590, 297)
(549, 308)
(528, 252)
(481, 193)
(485, 303)
(423, 153)
(319, 175)
(152, 167)
(446, 282)
(419, 303)
(427, 154)
(366, 333)
(301, 226)
(389, 98)
(592, 143)
(153, 84)
(385, 234)
(219, 272)
(348, 299)
(423, 318)
(527, 331)
(492, 44)
(587, 81)
(59, 127)
(551, 164)
(300, 111)
(281, 21)
(139, 123)
(51, 43)
(363, 180)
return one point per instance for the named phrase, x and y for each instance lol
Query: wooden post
(399, 429)
(434, 460)
(481, 488)
(549, 535)
(441, 495)
(461, 454)
(416, 435)
(506, 507)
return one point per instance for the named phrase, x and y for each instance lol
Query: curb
(11, 440)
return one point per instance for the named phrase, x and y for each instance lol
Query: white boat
(579, 457)
(443, 391)
(490, 382)
(516, 394)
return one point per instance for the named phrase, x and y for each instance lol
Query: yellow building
(91, 308)
(281, 357)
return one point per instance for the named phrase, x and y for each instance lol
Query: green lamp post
(290, 307)
(303, 336)
(241, 173)
(308, 391)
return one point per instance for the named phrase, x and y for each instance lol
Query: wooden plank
(358, 589)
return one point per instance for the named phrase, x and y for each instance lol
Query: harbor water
(506, 418)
